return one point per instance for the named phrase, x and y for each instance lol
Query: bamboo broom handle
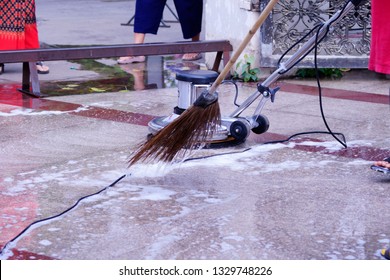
(263, 16)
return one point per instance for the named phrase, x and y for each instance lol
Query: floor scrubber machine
(235, 127)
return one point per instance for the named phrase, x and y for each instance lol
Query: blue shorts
(148, 15)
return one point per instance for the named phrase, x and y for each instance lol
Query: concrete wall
(231, 20)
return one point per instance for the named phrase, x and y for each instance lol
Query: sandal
(386, 253)
(131, 59)
(191, 56)
(382, 166)
(42, 69)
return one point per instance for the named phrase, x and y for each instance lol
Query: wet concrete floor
(307, 198)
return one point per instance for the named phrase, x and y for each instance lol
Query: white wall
(230, 20)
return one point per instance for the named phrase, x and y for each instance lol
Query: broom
(198, 122)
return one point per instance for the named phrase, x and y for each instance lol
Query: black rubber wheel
(263, 124)
(239, 131)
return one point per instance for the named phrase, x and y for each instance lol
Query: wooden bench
(30, 80)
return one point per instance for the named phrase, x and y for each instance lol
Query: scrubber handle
(263, 16)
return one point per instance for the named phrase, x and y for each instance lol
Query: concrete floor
(308, 198)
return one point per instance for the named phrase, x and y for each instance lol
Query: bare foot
(41, 68)
(382, 163)
(192, 56)
(131, 59)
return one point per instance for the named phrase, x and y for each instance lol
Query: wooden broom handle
(263, 16)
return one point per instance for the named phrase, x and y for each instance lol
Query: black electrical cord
(58, 215)
(293, 46)
(343, 143)
(315, 47)
(236, 87)
(265, 143)
(217, 155)
(302, 133)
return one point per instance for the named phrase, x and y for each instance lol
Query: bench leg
(226, 59)
(30, 78)
(217, 61)
(26, 77)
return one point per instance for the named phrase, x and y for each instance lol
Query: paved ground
(309, 198)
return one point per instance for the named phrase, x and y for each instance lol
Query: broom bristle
(192, 128)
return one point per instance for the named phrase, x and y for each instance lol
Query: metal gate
(346, 46)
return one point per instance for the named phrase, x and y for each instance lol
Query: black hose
(58, 215)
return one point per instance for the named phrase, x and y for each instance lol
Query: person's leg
(148, 15)
(190, 14)
(139, 38)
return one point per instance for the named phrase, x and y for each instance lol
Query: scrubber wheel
(263, 124)
(239, 130)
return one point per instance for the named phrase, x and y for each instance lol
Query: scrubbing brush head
(206, 99)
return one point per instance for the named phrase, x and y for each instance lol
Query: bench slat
(51, 54)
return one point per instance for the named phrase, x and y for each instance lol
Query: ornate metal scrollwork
(293, 19)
